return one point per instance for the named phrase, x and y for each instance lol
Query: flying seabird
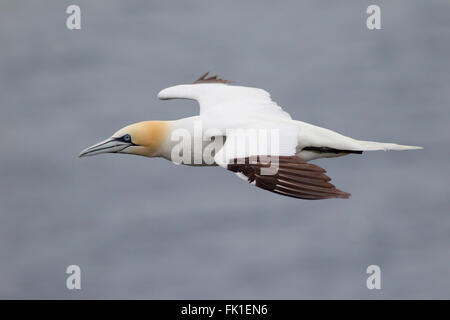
(242, 130)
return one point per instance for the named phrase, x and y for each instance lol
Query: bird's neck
(178, 133)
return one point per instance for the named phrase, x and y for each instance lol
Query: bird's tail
(314, 136)
(374, 146)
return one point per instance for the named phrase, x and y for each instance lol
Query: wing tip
(184, 91)
(212, 79)
(294, 178)
(162, 95)
(343, 195)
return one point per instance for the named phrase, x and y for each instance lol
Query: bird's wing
(275, 168)
(260, 144)
(294, 178)
(215, 96)
(258, 139)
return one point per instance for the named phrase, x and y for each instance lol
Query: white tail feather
(313, 136)
(374, 146)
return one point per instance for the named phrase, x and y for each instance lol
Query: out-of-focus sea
(146, 228)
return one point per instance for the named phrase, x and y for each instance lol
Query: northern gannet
(242, 130)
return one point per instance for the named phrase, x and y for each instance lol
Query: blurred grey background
(145, 228)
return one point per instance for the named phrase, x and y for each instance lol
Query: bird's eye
(126, 138)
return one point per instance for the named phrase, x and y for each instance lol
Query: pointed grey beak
(110, 145)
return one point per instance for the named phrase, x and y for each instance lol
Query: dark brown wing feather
(213, 79)
(294, 178)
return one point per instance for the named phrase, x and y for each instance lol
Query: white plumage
(227, 107)
(242, 130)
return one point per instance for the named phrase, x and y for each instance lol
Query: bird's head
(142, 138)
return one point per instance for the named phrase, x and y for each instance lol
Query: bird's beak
(111, 145)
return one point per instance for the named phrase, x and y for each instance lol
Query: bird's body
(241, 129)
